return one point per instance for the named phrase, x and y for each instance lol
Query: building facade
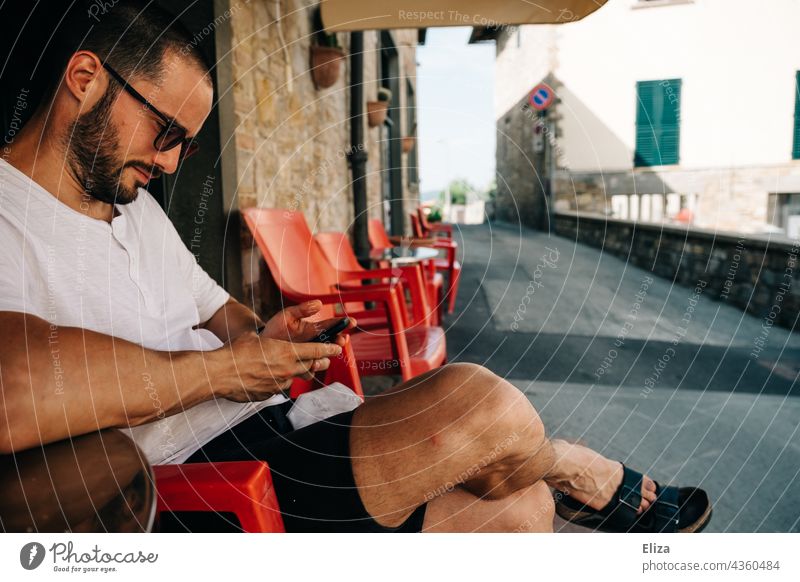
(291, 139)
(666, 110)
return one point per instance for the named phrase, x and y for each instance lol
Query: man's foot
(590, 478)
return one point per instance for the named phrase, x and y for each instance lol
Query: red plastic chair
(433, 228)
(366, 318)
(416, 227)
(302, 273)
(425, 295)
(379, 239)
(342, 369)
(243, 488)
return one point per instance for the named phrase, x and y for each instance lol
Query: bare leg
(460, 435)
(528, 510)
(458, 425)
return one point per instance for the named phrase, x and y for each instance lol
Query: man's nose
(168, 161)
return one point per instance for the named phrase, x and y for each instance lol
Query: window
(657, 122)
(796, 147)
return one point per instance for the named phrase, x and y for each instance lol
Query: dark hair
(130, 35)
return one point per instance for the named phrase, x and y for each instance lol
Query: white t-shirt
(133, 279)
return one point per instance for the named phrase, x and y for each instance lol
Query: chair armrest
(395, 285)
(390, 295)
(411, 278)
(381, 293)
(379, 287)
(343, 369)
(450, 248)
(412, 241)
(440, 227)
(414, 280)
(380, 273)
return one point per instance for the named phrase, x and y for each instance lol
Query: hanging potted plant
(408, 140)
(326, 59)
(376, 110)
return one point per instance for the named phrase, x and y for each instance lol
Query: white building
(663, 105)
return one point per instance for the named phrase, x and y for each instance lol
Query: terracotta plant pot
(325, 65)
(408, 143)
(376, 112)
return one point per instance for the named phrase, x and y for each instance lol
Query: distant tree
(460, 190)
(491, 191)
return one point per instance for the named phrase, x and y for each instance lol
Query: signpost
(541, 97)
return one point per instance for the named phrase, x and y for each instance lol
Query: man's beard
(91, 152)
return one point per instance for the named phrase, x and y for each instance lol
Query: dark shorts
(310, 469)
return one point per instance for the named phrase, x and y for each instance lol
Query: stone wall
(755, 273)
(290, 138)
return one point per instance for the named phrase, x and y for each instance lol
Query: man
(109, 322)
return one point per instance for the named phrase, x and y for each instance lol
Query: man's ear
(84, 81)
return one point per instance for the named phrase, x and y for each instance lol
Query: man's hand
(292, 324)
(264, 366)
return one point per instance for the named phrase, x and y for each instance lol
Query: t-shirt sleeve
(15, 288)
(208, 295)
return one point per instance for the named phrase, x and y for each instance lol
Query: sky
(455, 92)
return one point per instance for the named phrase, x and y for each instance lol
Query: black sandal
(683, 510)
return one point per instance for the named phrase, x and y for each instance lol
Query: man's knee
(488, 413)
(500, 408)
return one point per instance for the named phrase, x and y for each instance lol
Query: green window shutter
(796, 147)
(646, 131)
(657, 122)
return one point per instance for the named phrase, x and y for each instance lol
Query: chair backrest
(339, 252)
(299, 267)
(294, 258)
(378, 239)
(423, 218)
(337, 249)
(416, 226)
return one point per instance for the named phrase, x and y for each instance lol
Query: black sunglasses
(172, 134)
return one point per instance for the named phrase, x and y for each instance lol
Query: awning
(349, 15)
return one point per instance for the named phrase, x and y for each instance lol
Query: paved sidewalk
(655, 375)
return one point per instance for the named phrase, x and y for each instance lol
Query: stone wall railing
(757, 273)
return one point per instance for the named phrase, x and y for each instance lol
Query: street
(659, 376)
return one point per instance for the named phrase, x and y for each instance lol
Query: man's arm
(57, 382)
(232, 320)
(293, 324)
(61, 381)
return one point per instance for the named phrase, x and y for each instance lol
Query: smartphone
(330, 334)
